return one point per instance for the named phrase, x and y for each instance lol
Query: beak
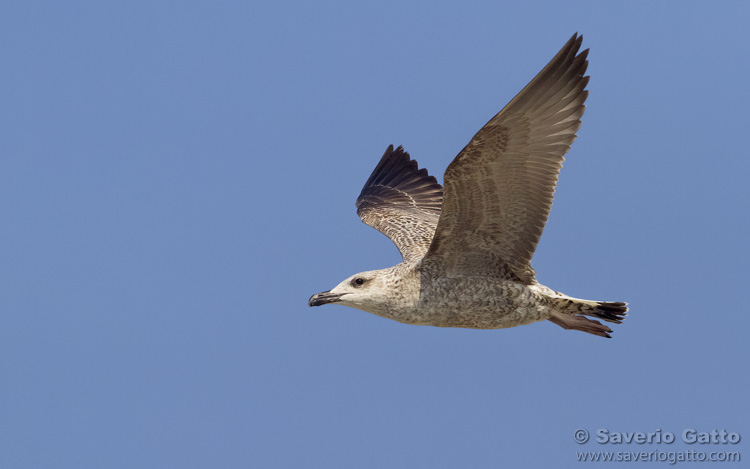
(323, 298)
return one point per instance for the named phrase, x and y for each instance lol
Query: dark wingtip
(395, 175)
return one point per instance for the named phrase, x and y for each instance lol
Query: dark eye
(358, 282)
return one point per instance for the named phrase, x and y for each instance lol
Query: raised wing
(402, 202)
(499, 189)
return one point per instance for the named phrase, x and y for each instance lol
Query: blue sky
(177, 178)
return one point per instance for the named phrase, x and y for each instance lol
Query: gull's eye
(358, 282)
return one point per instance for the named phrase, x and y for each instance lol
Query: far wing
(402, 202)
(499, 189)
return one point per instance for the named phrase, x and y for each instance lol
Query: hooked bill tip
(323, 298)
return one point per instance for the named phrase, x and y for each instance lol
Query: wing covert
(403, 202)
(499, 189)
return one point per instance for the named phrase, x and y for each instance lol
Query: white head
(369, 291)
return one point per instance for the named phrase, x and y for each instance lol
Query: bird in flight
(467, 247)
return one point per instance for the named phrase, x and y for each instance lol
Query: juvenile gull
(467, 247)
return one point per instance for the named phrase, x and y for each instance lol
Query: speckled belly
(479, 303)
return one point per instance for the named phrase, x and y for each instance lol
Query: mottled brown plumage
(402, 202)
(467, 247)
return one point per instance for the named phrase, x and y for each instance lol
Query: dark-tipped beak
(323, 298)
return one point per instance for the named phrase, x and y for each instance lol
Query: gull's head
(367, 291)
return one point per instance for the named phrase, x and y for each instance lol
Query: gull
(467, 247)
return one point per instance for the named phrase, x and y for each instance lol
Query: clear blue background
(177, 178)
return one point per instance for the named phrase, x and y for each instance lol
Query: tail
(569, 313)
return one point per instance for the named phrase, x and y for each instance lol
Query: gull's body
(467, 248)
